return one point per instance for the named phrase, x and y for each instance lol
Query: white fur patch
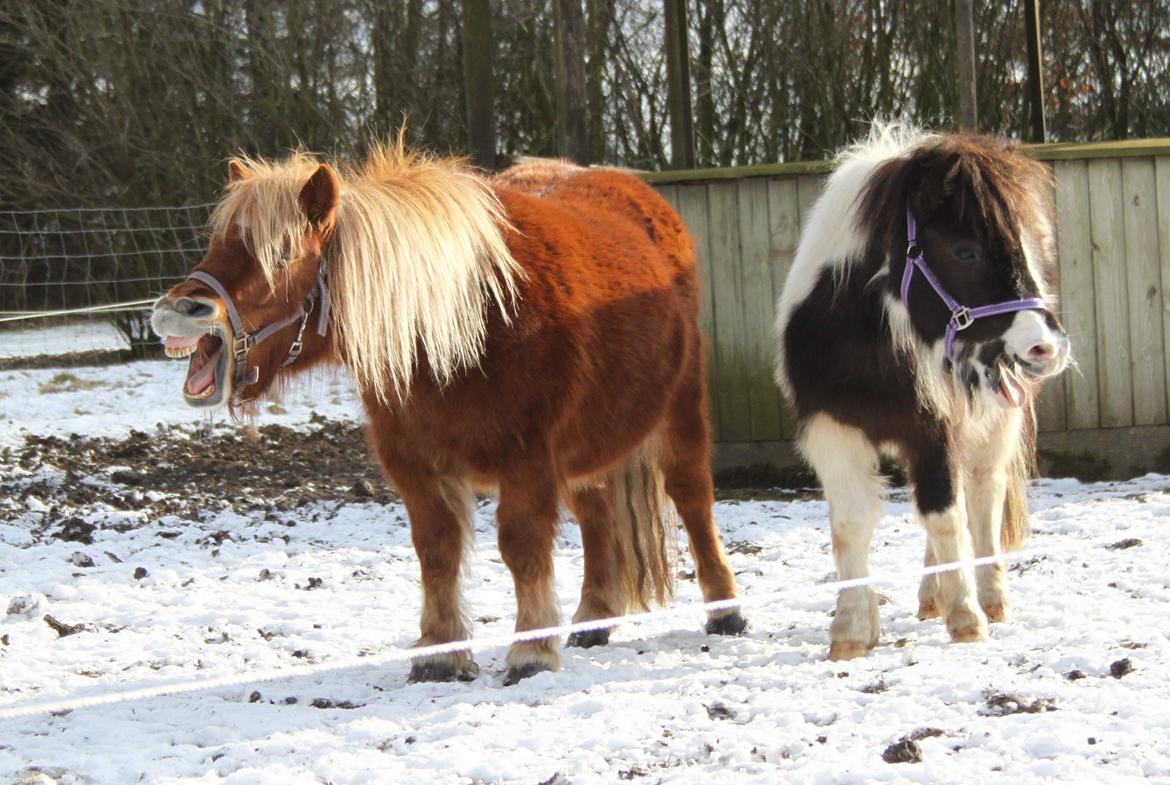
(831, 237)
(1030, 329)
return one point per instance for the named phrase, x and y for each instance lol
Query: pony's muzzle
(1040, 349)
(187, 317)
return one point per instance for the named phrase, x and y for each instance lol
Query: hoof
(995, 613)
(733, 623)
(442, 670)
(587, 640)
(519, 672)
(927, 610)
(970, 634)
(847, 650)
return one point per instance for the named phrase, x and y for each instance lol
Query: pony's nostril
(1041, 351)
(188, 306)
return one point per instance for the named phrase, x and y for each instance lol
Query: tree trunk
(599, 23)
(478, 83)
(1035, 73)
(678, 70)
(965, 29)
(572, 126)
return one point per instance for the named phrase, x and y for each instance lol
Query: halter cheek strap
(243, 341)
(962, 317)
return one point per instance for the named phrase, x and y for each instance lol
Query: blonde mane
(417, 259)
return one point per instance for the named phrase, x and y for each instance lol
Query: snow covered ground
(110, 401)
(60, 339)
(1075, 687)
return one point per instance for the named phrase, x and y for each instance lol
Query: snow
(663, 703)
(60, 339)
(105, 401)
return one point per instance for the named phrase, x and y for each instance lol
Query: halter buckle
(913, 251)
(961, 319)
(241, 345)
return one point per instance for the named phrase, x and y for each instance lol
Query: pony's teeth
(181, 353)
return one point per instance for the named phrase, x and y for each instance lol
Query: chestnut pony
(532, 334)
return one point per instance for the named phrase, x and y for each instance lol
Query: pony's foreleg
(686, 470)
(927, 608)
(846, 464)
(601, 593)
(527, 517)
(441, 530)
(939, 501)
(986, 488)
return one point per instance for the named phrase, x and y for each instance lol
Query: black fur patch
(968, 195)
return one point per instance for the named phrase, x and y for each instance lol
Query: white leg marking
(985, 486)
(846, 464)
(955, 594)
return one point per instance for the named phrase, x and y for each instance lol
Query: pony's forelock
(264, 209)
(417, 257)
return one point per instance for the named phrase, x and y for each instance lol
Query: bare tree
(572, 109)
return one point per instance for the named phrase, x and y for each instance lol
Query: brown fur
(586, 385)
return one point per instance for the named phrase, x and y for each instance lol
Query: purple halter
(243, 341)
(962, 317)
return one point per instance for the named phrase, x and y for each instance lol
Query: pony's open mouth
(206, 382)
(1011, 391)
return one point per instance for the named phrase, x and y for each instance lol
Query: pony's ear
(319, 197)
(236, 171)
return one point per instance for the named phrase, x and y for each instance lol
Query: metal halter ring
(962, 318)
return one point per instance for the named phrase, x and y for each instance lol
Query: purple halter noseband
(962, 317)
(243, 341)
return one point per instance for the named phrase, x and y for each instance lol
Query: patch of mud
(94, 357)
(189, 472)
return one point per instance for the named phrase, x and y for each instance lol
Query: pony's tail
(1014, 529)
(645, 530)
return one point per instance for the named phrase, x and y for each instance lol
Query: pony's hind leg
(846, 464)
(686, 468)
(527, 517)
(939, 501)
(601, 594)
(441, 531)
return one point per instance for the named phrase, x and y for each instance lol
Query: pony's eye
(967, 252)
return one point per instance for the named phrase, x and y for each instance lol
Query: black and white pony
(916, 321)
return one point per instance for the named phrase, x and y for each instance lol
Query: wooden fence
(1113, 242)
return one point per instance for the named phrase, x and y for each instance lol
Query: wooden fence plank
(692, 206)
(784, 231)
(1113, 246)
(1144, 280)
(1078, 307)
(1106, 231)
(758, 307)
(669, 192)
(1162, 220)
(731, 389)
(1051, 406)
(808, 189)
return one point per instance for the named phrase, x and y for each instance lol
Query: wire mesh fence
(98, 265)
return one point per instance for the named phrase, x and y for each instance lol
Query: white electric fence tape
(494, 641)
